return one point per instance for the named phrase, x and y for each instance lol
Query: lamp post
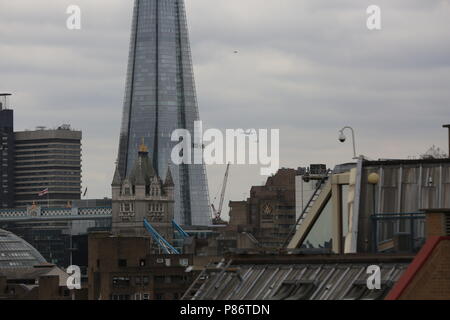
(342, 139)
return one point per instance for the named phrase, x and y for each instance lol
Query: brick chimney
(437, 222)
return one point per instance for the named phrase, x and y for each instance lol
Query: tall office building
(159, 98)
(6, 153)
(47, 167)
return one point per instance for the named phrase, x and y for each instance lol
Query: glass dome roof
(16, 252)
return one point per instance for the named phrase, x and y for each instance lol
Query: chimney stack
(448, 127)
(437, 222)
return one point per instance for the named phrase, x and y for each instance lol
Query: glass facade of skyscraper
(159, 98)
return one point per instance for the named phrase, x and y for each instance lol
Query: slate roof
(305, 278)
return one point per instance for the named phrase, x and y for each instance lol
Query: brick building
(124, 268)
(127, 263)
(25, 275)
(268, 214)
(428, 276)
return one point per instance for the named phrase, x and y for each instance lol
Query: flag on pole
(43, 192)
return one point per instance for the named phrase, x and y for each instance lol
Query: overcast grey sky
(306, 67)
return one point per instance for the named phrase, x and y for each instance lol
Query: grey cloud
(305, 67)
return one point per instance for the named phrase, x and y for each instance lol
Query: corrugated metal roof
(304, 281)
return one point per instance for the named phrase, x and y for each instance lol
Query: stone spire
(143, 170)
(169, 179)
(117, 180)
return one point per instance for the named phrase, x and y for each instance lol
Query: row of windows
(52, 142)
(45, 184)
(124, 281)
(37, 190)
(63, 178)
(152, 207)
(123, 263)
(137, 296)
(34, 163)
(155, 207)
(45, 157)
(56, 151)
(151, 191)
(171, 279)
(285, 216)
(14, 254)
(48, 173)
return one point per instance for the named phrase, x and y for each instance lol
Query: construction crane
(217, 212)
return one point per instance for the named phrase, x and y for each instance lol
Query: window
(127, 191)
(155, 207)
(184, 262)
(145, 281)
(121, 282)
(146, 296)
(127, 207)
(295, 290)
(360, 291)
(154, 191)
(138, 281)
(122, 263)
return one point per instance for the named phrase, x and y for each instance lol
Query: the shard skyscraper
(159, 98)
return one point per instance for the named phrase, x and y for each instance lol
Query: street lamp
(342, 139)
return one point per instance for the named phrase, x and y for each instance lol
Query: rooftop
(314, 277)
(17, 253)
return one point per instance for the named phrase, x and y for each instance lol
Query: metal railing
(403, 231)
